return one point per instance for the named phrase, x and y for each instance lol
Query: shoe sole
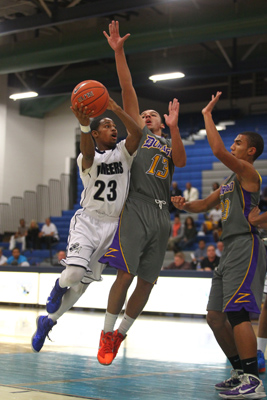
(33, 349)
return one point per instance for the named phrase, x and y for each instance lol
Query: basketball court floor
(162, 358)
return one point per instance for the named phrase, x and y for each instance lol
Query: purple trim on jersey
(243, 297)
(248, 207)
(114, 256)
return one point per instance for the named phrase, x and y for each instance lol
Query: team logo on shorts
(75, 247)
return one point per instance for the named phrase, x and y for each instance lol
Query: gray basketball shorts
(239, 279)
(140, 242)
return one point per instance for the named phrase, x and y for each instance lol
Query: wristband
(85, 129)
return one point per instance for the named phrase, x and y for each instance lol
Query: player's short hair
(254, 140)
(95, 123)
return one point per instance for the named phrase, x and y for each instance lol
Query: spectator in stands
(55, 260)
(263, 199)
(178, 262)
(17, 259)
(211, 261)
(189, 234)
(199, 254)
(214, 186)
(219, 248)
(175, 191)
(32, 239)
(3, 259)
(212, 221)
(177, 232)
(190, 193)
(58, 257)
(48, 234)
(19, 236)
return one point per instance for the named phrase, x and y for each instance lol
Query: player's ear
(162, 125)
(95, 134)
(251, 151)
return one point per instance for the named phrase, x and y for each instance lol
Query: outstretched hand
(114, 39)
(172, 118)
(178, 202)
(214, 99)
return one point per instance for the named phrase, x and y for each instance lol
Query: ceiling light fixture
(164, 77)
(23, 95)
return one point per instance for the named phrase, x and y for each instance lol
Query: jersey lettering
(160, 173)
(111, 196)
(110, 169)
(242, 298)
(225, 206)
(152, 142)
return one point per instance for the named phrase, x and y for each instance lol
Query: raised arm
(178, 150)
(197, 206)
(245, 171)
(134, 131)
(87, 145)
(129, 97)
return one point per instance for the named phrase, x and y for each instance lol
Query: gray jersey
(236, 204)
(154, 156)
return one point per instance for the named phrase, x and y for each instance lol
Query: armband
(85, 129)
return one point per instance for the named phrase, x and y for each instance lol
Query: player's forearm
(196, 206)
(87, 146)
(128, 122)
(123, 70)
(214, 138)
(178, 150)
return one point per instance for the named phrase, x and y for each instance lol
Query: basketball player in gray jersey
(237, 283)
(140, 243)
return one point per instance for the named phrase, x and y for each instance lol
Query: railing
(47, 201)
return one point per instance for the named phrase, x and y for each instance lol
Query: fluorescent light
(164, 77)
(25, 95)
(226, 123)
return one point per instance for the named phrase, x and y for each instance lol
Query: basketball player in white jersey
(105, 173)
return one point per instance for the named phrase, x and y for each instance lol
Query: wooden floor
(162, 358)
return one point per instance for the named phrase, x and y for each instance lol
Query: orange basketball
(92, 94)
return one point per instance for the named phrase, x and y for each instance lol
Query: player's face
(240, 147)
(107, 134)
(152, 120)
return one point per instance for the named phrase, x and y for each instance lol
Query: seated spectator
(55, 261)
(3, 259)
(211, 261)
(213, 218)
(32, 239)
(17, 259)
(199, 254)
(219, 248)
(19, 237)
(58, 257)
(214, 186)
(190, 193)
(177, 232)
(48, 234)
(179, 262)
(189, 235)
(263, 199)
(175, 191)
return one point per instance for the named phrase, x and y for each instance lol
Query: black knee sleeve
(237, 317)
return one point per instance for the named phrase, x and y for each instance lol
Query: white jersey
(106, 182)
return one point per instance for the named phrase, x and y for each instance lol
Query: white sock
(110, 320)
(261, 344)
(125, 324)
